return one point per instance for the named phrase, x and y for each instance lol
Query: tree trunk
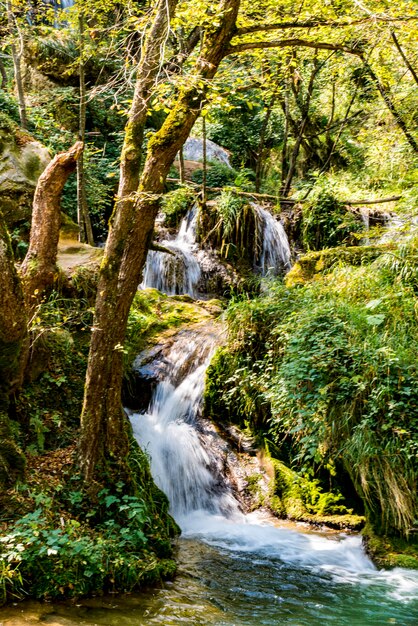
(404, 57)
(103, 433)
(205, 163)
(384, 92)
(293, 159)
(3, 75)
(83, 217)
(182, 172)
(39, 267)
(261, 144)
(13, 340)
(17, 57)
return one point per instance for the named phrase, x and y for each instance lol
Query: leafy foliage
(328, 372)
(327, 223)
(175, 205)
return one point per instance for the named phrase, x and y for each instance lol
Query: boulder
(22, 161)
(193, 151)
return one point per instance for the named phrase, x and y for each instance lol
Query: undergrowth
(328, 373)
(73, 542)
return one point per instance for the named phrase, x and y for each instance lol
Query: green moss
(153, 313)
(389, 552)
(68, 229)
(316, 263)
(175, 205)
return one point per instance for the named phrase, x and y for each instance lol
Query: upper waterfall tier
(179, 271)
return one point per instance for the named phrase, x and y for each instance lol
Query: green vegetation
(64, 538)
(175, 205)
(229, 224)
(327, 372)
(71, 541)
(326, 223)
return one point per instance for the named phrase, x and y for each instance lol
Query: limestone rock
(193, 151)
(22, 160)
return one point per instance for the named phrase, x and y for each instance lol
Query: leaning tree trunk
(103, 436)
(13, 338)
(39, 267)
(387, 98)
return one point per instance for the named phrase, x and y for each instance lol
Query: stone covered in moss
(315, 263)
(22, 160)
(389, 552)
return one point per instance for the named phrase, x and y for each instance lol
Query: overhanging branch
(284, 43)
(317, 23)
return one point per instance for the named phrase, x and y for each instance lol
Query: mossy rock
(22, 160)
(287, 499)
(69, 230)
(316, 263)
(389, 552)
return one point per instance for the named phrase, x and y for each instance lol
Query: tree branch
(315, 23)
(284, 43)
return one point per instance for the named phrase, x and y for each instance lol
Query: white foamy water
(341, 557)
(275, 249)
(182, 465)
(177, 273)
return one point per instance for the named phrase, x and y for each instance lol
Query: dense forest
(208, 306)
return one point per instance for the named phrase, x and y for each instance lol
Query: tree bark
(3, 75)
(404, 57)
(83, 217)
(384, 92)
(13, 339)
(182, 172)
(293, 159)
(205, 163)
(261, 143)
(103, 428)
(39, 267)
(17, 53)
(13, 321)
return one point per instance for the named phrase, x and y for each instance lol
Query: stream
(234, 569)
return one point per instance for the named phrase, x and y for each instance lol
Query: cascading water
(239, 569)
(275, 250)
(179, 272)
(182, 466)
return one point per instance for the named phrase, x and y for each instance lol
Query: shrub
(326, 223)
(217, 175)
(175, 205)
(328, 373)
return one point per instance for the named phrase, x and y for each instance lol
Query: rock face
(22, 160)
(193, 151)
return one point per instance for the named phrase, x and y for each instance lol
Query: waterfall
(190, 470)
(275, 252)
(184, 465)
(179, 272)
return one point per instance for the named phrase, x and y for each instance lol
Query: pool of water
(247, 573)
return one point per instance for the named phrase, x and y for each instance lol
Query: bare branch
(318, 23)
(284, 43)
